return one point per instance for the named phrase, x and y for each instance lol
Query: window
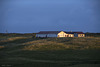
(82, 34)
(58, 35)
(65, 35)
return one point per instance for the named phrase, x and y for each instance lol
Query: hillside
(22, 51)
(63, 43)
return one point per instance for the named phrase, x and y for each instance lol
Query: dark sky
(29, 16)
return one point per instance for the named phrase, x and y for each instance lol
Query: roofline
(56, 32)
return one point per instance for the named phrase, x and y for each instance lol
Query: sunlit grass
(63, 44)
(12, 39)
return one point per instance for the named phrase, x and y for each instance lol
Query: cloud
(50, 15)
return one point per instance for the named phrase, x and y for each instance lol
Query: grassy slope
(63, 43)
(50, 52)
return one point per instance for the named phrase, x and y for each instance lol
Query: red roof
(79, 32)
(56, 32)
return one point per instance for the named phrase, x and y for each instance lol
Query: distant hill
(16, 34)
(92, 34)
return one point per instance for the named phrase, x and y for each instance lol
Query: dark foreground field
(49, 52)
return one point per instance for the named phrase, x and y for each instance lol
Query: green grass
(52, 58)
(50, 52)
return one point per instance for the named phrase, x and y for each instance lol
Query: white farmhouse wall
(62, 34)
(81, 35)
(70, 35)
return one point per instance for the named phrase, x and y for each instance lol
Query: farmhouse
(59, 34)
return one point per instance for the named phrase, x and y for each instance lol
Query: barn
(47, 34)
(59, 34)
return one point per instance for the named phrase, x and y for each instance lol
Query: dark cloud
(35, 15)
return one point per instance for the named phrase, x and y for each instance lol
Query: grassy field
(23, 51)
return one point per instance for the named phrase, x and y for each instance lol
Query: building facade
(59, 34)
